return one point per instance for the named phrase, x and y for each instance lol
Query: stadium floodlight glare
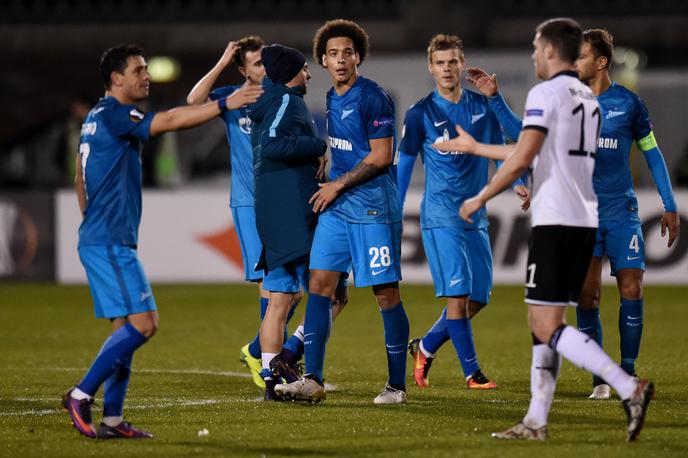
(163, 69)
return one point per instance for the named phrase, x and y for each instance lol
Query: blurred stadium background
(49, 79)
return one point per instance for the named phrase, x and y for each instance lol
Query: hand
(469, 207)
(229, 54)
(320, 174)
(524, 194)
(486, 84)
(327, 193)
(464, 142)
(243, 96)
(671, 221)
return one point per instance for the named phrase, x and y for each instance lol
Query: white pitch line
(157, 371)
(158, 405)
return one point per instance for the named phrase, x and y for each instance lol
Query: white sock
(583, 351)
(425, 352)
(79, 395)
(113, 421)
(543, 381)
(267, 357)
(299, 332)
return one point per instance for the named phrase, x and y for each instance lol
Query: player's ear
(602, 63)
(324, 60)
(358, 59)
(116, 78)
(242, 70)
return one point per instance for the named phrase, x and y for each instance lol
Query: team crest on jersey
(135, 115)
(445, 138)
(245, 125)
(613, 114)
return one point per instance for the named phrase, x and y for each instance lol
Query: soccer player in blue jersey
(360, 224)
(108, 186)
(458, 252)
(246, 54)
(624, 120)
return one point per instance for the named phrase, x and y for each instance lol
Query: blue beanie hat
(281, 63)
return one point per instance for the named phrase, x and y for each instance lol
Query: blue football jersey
(110, 150)
(624, 119)
(365, 112)
(238, 126)
(450, 177)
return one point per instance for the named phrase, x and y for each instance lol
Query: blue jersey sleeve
(510, 122)
(377, 110)
(220, 92)
(642, 126)
(412, 134)
(128, 121)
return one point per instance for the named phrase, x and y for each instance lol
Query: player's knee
(632, 290)
(149, 327)
(321, 285)
(589, 299)
(296, 298)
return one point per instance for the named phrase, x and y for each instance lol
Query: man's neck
(453, 94)
(121, 98)
(558, 66)
(343, 87)
(600, 82)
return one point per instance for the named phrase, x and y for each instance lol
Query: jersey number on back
(581, 148)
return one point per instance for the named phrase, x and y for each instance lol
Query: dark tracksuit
(286, 149)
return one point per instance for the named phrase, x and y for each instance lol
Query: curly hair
(340, 28)
(442, 42)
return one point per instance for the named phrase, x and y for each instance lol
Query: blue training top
(238, 126)
(110, 150)
(365, 112)
(450, 177)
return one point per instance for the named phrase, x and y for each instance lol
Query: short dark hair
(248, 44)
(565, 35)
(115, 60)
(340, 28)
(601, 42)
(442, 42)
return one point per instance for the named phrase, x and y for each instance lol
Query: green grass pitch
(189, 378)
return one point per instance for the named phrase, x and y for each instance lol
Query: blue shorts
(119, 286)
(245, 226)
(460, 262)
(622, 241)
(288, 278)
(372, 250)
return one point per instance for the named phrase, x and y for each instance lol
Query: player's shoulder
(108, 109)
(370, 88)
(419, 108)
(475, 97)
(223, 91)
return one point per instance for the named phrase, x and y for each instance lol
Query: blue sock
(437, 335)
(115, 389)
(316, 332)
(462, 338)
(117, 348)
(254, 346)
(295, 346)
(396, 325)
(630, 331)
(589, 323)
(292, 309)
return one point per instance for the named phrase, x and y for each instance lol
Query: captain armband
(647, 143)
